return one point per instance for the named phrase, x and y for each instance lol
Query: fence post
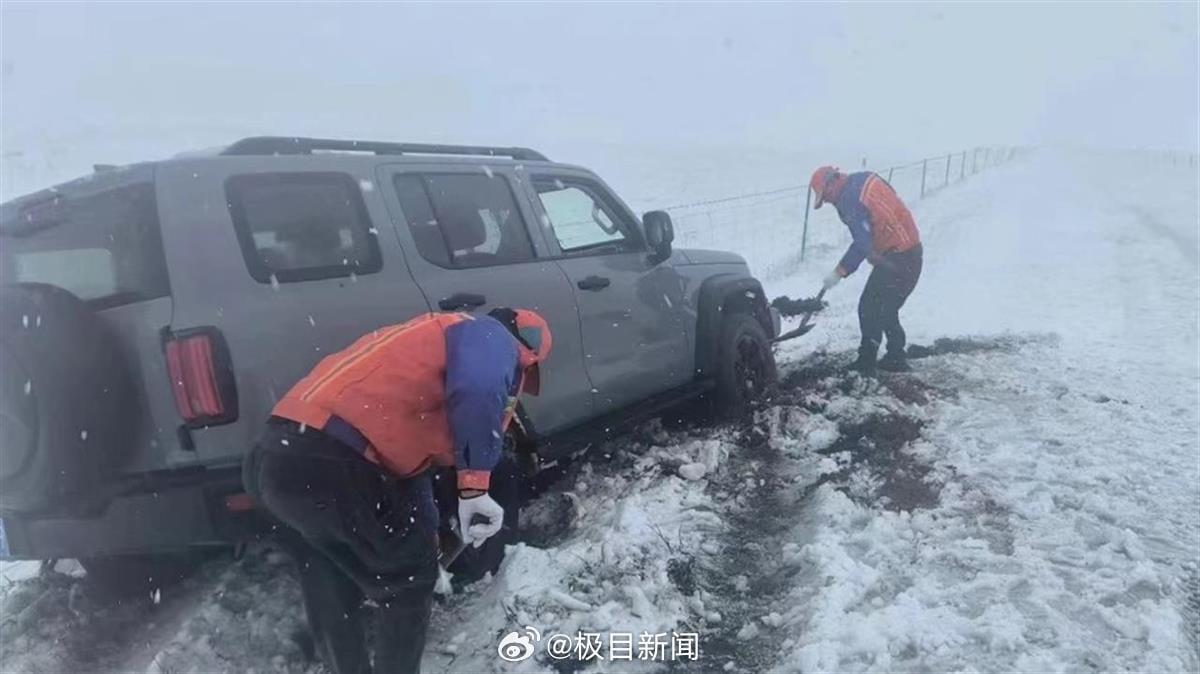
(804, 236)
(864, 162)
(890, 174)
(924, 170)
(962, 171)
(946, 181)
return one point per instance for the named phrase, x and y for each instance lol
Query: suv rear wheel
(122, 576)
(745, 365)
(64, 398)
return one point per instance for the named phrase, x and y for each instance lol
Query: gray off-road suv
(152, 315)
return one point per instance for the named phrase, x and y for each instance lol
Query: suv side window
(302, 226)
(463, 219)
(105, 248)
(581, 219)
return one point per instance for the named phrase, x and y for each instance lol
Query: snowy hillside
(1026, 500)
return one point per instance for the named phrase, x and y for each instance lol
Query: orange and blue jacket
(438, 390)
(878, 220)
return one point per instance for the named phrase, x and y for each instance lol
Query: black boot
(894, 361)
(865, 365)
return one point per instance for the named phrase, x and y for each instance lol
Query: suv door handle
(594, 283)
(459, 301)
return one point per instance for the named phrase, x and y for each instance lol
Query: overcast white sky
(138, 80)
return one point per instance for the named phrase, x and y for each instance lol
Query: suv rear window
(105, 248)
(302, 226)
(464, 220)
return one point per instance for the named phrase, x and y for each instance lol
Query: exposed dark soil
(876, 444)
(965, 345)
(757, 524)
(770, 504)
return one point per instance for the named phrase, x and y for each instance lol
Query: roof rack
(267, 145)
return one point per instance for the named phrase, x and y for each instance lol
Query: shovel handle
(804, 327)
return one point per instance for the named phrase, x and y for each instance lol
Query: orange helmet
(534, 342)
(820, 180)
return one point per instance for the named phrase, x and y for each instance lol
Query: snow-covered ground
(1028, 499)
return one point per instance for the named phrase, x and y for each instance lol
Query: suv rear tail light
(201, 376)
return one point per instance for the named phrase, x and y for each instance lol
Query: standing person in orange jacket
(345, 465)
(885, 233)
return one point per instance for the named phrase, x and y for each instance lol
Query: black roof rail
(267, 145)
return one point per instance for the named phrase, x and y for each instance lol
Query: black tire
(121, 576)
(65, 398)
(745, 365)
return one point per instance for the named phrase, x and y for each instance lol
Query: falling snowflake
(311, 321)
(353, 277)
(28, 386)
(488, 170)
(374, 231)
(274, 282)
(156, 596)
(366, 185)
(303, 427)
(25, 321)
(83, 435)
(283, 441)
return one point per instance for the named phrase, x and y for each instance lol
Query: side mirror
(659, 233)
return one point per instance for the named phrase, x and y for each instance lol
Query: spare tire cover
(65, 399)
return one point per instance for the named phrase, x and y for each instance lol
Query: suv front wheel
(745, 365)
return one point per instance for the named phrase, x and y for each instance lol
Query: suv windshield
(105, 248)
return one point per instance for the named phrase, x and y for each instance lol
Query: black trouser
(357, 533)
(891, 282)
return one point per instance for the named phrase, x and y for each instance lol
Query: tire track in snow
(776, 478)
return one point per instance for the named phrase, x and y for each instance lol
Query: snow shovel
(804, 326)
(450, 546)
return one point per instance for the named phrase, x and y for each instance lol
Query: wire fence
(775, 229)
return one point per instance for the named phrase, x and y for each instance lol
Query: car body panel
(213, 287)
(565, 398)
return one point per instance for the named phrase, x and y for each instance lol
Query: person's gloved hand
(479, 517)
(831, 279)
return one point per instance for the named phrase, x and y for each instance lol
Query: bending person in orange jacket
(885, 233)
(346, 459)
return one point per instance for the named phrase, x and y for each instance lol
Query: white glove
(486, 514)
(831, 280)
